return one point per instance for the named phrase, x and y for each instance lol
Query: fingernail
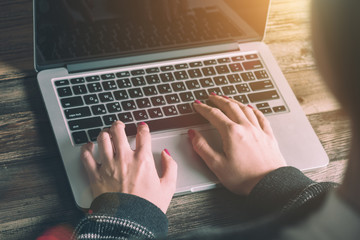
(90, 211)
(142, 123)
(250, 106)
(191, 133)
(197, 101)
(226, 97)
(214, 94)
(167, 152)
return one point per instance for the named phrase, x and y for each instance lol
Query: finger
(230, 108)
(143, 138)
(215, 116)
(205, 151)
(119, 138)
(88, 160)
(106, 150)
(169, 169)
(263, 122)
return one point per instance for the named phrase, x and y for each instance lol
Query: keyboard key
(279, 109)
(123, 74)
(59, 83)
(167, 68)
(181, 75)
(128, 105)
(222, 69)
(121, 95)
(94, 133)
(130, 129)
(172, 98)
(251, 56)
(263, 96)
(106, 97)
(80, 137)
(138, 81)
(252, 65)
(261, 85)
(210, 62)
(155, 113)
(113, 107)
(201, 95)
(164, 88)
(195, 73)
(94, 87)
(77, 112)
(192, 84)
(152, 79)
(184, 108)
(181, 66)
(108, 76)
(266, 110)
(178, 86)
(242, 98)
(196, 64)
(248, 76)
(138, 72)
(220, 80)
(217, 91)
(64, 91)
(187, 96)
(109, 85)
(150, 91)
(170, 110)
(85, 123)
(234, 78)
(124, 83)
(242, 88)
(152, 70)
(223, 60)
(140, 115)
(208, 71)
(158, 101)
(91, 99)
(262, 105)
(229, 90)
(261, 74)
(77, 80)
(109, 119)
(125, 117)
(167, 77)
(207, 82)
(235, 67)
(135, 93)
(98, 109)
(92, 78)
(79, 89)
(238, 58)
(71, 102)
(143, 103)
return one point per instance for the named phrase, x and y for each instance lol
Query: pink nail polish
(197, 101)
(226, 97)
(191, 133)
(250, 106)
(214, 94)
(142, 123)
(167, 152)
(90, 211)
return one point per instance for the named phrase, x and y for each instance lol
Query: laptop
(147, 61)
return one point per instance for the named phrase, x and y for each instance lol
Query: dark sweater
(283, 197)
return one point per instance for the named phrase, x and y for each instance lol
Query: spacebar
(171, 123)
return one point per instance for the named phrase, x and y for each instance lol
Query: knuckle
(215, 111)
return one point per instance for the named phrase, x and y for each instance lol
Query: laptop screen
(68, 31)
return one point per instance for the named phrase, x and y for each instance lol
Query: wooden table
(34, 192)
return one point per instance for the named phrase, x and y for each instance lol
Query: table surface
(34, 191)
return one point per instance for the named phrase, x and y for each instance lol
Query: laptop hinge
(145, 58)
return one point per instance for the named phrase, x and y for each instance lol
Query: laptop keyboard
(162, 96)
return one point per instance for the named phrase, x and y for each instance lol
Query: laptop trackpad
(193, 174)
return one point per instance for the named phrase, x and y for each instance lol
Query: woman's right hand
(250, 150)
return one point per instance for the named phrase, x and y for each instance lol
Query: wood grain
(34, 192)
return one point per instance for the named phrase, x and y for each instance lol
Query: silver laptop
(147, 61)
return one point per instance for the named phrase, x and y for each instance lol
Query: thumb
(169, 169)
